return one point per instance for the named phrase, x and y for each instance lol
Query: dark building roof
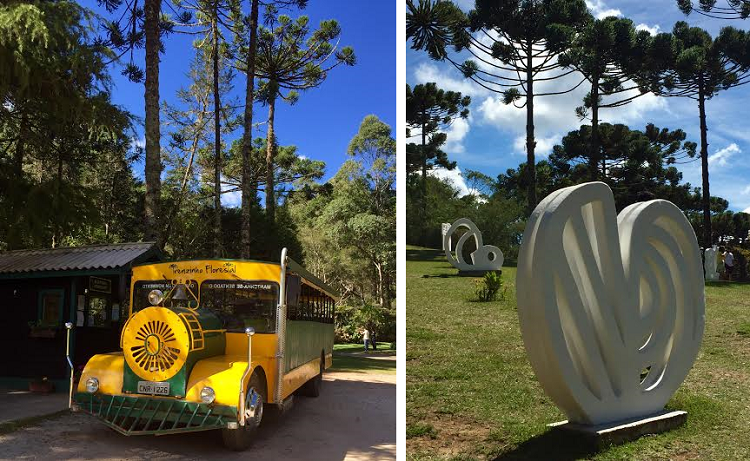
(91, 257)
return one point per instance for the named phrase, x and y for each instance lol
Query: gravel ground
(353, 419)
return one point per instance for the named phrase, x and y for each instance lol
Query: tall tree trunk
(20, 152)
(56, 202)
(423, 158)
(704, 167)
(248, 191)
(530, 144)
(217, 139)
(594, 155)
(153, 149)
(270, 152)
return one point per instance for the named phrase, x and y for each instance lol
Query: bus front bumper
(145, 415)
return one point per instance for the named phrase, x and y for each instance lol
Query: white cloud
(428, 72)
(600, 10)
(456, 134)
(543, 145)
(721, 157)
(554, 116)
(138, 142)
(746, 191)
(653, 30)
(230, 199)
(454, 177)
(747, 210)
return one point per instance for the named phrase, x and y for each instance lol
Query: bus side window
(293, 291)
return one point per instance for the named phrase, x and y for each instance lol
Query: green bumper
(142, 415)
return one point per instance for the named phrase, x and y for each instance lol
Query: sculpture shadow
(440, 276)
(726, 284)
(554, 444)
(424, 254)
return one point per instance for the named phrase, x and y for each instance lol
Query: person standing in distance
(728, 263)
(366, 337)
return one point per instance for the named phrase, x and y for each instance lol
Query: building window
(51, 307)
(98, 311)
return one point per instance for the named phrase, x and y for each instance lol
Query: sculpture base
(476, 273)
(618, 432)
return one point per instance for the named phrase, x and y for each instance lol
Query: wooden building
(41, 290)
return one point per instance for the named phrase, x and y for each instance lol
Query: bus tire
(313, 386)
(241, 438)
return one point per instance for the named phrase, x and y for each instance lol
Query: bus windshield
(241, 304)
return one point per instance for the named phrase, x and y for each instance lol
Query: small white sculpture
(603, 298)
(445, 227)
(484, 258)
(709, 263)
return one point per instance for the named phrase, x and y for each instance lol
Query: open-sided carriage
(209, 345)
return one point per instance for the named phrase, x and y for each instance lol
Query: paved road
(353, 419)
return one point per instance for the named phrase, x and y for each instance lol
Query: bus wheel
(312, 387)
(241, 438)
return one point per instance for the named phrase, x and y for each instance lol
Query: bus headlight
(155, 297)
(208, 395)
(92, 385)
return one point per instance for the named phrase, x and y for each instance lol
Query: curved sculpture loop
(603, 299)
(484, 258)
(710, 262)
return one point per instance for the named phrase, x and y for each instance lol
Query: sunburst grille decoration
(156, 343)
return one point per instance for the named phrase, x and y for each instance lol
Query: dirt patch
(353, 419)
(455, 435)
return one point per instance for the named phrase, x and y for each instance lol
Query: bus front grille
(142, 415)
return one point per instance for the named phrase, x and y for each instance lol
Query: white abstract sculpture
(709, 263)
(601, 298)
(484, 258)
(444, 228)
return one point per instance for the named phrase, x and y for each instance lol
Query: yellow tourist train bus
(208, 344)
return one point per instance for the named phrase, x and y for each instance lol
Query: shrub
(489, 286)
(741, 258)
(350, 319)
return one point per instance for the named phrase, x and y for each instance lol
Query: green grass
(471, 393)
(363, 363)
(357, 347)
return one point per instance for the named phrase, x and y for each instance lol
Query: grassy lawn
(342, 361)
(383, 348)
(471, 393)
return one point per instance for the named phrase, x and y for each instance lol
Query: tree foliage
(511, 44)
(690, 63)
(348, 225)
(65, 146)
(610, 54)
(291, 58)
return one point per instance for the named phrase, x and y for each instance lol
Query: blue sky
(325, 118)
(492, 139)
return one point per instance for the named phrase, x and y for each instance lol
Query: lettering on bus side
(225, 268)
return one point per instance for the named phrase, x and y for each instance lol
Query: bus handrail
(249, 331)
(281, 329)
(69, 326)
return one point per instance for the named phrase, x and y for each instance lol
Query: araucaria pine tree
(692, 64)
(429, 110)
(291, 58)
(610, 54)
(513, 45)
